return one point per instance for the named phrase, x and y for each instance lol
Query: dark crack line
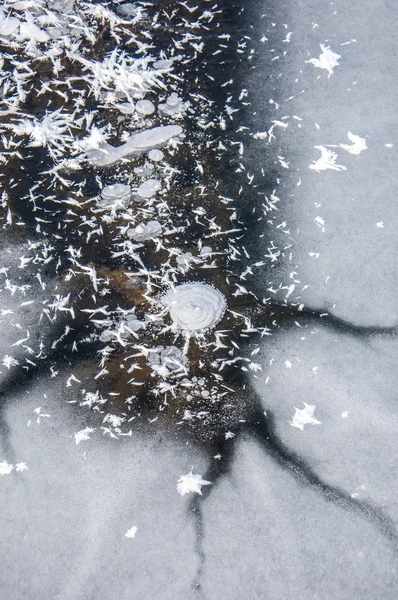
(263, 430)
(217, 470)
(288, 315)
(343, 326)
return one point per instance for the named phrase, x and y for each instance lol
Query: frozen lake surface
(198, 300)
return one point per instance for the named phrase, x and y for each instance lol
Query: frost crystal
(83, 435)
(9, 361)
(191, 484)
(327, 60)
(6, 468)
(326, 161)
(304, 416)
(358, 144)
(131, 533)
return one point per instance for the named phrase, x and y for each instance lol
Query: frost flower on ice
(191, 483)
(53, 131)
(83, 435)
(121, 73)
(131, 533)
(327, 60)
(21, 467)
(304, 416)
(358, 144)
(6, 468)
(326, 161)
(9, 361)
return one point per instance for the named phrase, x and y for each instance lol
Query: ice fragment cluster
(145, 231)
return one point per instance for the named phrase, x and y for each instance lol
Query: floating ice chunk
(116, 191)
(145, 107)
(153, 138)
(206, 250)
(8, 25)
(126, 108)
(130, 10)
(30, 31)
(327, 60)
(195, 306)
(358, 144)
(305, 416)
(168, 361)
(184, 260)
(149, 188)
(173, 105)
(173, 359)
(156, 155)
(107, 336)
(326, 161)
(145, 231)
(163, 64)
(136, 145)
(114, 195)
(144, 170)
(64, 6)
(21, 4)
(134, 324)
(191, 483)
(104, 155)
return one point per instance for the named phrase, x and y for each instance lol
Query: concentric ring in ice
(195, 306)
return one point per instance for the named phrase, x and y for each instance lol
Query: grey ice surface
(348, 264)
(269, 536)
(64, 522)
(267, 530)
(352, 381)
